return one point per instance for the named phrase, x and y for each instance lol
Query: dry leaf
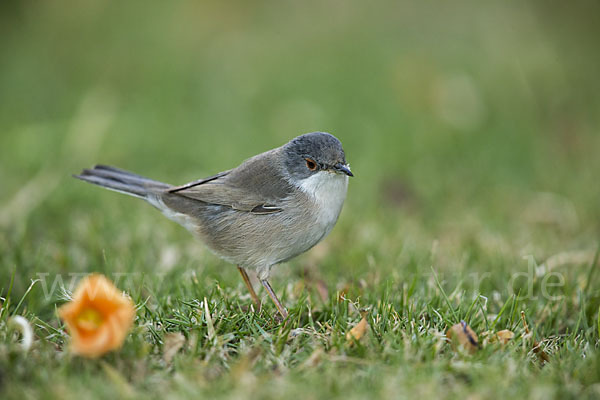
(358, 331)
(173, 342)
(541, 354)
(462, 334)
(503, 336)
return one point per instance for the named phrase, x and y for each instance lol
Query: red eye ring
(310, 164)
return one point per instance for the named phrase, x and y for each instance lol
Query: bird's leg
(273, 297)
(246, 279)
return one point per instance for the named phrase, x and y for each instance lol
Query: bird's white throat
(328, 190)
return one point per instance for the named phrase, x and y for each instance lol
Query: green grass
(473, 133)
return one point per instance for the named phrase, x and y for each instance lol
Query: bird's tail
(123, 181)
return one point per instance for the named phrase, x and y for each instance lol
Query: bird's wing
(256, 186)
(237, 198)
(198, 182)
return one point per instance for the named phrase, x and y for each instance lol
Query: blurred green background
(473, 131)
(464, 122)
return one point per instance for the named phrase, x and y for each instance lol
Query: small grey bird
(271, 208)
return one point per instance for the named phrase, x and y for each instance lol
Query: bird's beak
(343, 168)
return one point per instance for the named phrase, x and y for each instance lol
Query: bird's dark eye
(310, 164)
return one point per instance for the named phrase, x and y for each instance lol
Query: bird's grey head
(311, 153)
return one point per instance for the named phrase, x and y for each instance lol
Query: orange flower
(98, 317)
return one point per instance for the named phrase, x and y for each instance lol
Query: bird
(268, 210)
